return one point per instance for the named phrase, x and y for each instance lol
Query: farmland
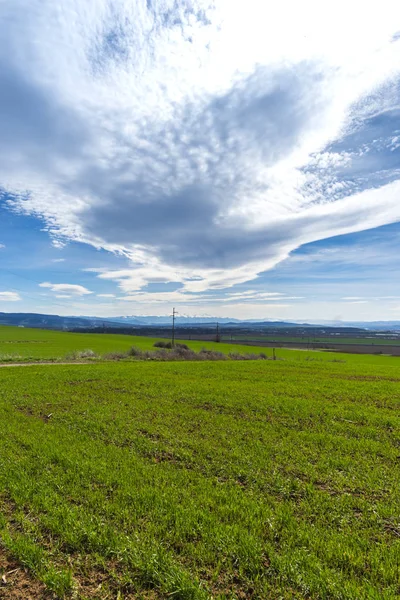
(26, 345)
(34, 345)
(224, 480)
(312, 339)
(367, 343)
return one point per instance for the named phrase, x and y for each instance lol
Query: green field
(188, 480)
(365, 341)
(30, 345)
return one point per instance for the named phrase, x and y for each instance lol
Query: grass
(222, 480)
(30, 345)
(372, 340)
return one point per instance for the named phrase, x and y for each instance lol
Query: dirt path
(42, 364)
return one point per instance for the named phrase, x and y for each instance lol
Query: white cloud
(2, 246)
(185, 298)
(58, 260)
(197, 138)
(106, 295)
(9, 297)
(66, 290)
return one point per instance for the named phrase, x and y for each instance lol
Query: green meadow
(199, 480)
(18, 344)
(312, 339)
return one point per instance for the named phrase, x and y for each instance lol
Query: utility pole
(173, 327)
(217, 337)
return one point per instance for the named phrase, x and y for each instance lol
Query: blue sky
(227, 158)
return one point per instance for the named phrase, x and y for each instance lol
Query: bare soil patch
(17, 584)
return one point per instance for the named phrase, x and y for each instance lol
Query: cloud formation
(9, 297)
(66, 290)
(203, 140)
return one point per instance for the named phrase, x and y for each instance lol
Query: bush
(11, 358)
(168, 345)
(114, 355)
(235, 356)
(162, 344)
(182, 346)
(179, 352)
(206, 354)
(134, 352)
(248, 356)
(182, 350)
(81, 354)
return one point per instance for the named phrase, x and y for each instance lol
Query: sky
(230, 158)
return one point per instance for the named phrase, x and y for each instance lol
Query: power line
(174, 313)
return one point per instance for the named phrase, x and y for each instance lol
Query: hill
(44, 321)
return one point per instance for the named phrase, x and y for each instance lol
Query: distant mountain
(115, 320)
(371, 325)
(71, 322)
(378, 325)
(138, 322)
(52, 321)
(253, 323)
(188, 321)
(166, 320)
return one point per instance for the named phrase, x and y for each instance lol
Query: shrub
(168, 345)
(248, 356)
(180, 352)
(11, 357)
(162, 344)
(183, 346)
(206, 354)
(78, 354)
(235, 356)
(114, 355)
(133, 351)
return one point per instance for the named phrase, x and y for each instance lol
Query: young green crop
(204, 480)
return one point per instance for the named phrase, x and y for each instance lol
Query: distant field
(27, 344)
(20, 344)
(373, 345)
(335, 339)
